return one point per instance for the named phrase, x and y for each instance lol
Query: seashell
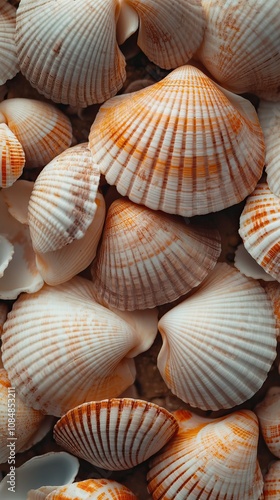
(54, 468)
(245, 263)
(148, 258)
(42, 130)
(208, 458)
(17, 198)
(260, 229)
(115, 434)
(70, 53)
(9, 63)
(98, 489)
(3, 315)
(272, 482)
(218, 330)
(268, 412)
(40, 493)
(153, 144)
(12, 157)
(273, 291)
(269, 116)
(6, 254)
(89, 356)
(241, 45)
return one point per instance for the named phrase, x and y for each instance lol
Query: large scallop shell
(97, 489)
(220, 342)
(61, 348)
(260, 228)
(68, 49)
(268, 412)
(12, 157)
(241, 45)
(271, 487)
(209, 459)
(269, 116)
(182, 145)
(9, 62)
(115, 434)
(42, 129)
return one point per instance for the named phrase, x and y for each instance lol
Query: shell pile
(140, 249)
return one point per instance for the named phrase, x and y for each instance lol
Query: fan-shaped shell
(61, 348)
(9, 62)
(12, 158)
(98, 489)
(219, 343)
(260, 229)
(182, 145)
(208, 459)
(62, 204)
(148, 258)
(241, 45)
(268, 412)
(269, 116)
(115, 434)
(69, 53)
(42, 129)
(271, 487)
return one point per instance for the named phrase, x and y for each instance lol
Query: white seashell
(115, 434)
(269, 116)
(17, 198)
(97, 489)
(154, 145)
(272, 482)
(12, 157)
(268, 412)
(9, 63)
(6, 254)
(220, 342)
(245, 263)
(89, 356)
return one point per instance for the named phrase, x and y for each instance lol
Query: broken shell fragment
(97, 489)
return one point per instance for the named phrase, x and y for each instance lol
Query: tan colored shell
(269, 116)
(16, 198)
(42, 129)
(209, 458)
(220, 342)
(245, 263)
(8, 62)
(182, 145)
(272, 482)
(268, 412)
(61, 348)
(3, 315)
(75, 59)
(98, 489)
(115, 434)
(12, 157)
(241, 45)
(148, 258)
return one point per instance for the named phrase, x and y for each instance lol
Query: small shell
(8, 63)
(268, 412)
(97, 489)
(115, 434)
(260, 229)
(269, 116)
(148, 258)
(272, 482)
(209, 459)
(42, 129)
(80, 351)
(226, 328)
(12, 158)
(245, 263)
(17, 198)
(241, 45)
(155, 144)
(6, 254)
(69, 53)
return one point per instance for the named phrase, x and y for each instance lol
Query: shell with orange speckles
(271, 487)
(268, 412)
(209, 459)
(183, 145)
(98, 489)
(260, 229)
(12, 157)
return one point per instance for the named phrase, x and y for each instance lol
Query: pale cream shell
(220, 342)
(12, 157)
(182, 145)
(17, 198)
(273, 291)
(269, 116)
(97, 489)
(115, 434)
(209, 459)
(70, 53)
(268, 412)
(8, 63)
(245, 263)
(271, 487)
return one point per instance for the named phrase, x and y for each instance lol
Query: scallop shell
(12, 158)
(115, 434)
(245, 263)
(9, 63)
(62, 204)
(220, 342)
(241, 45)
(273, 292)
(272, 482)
(269, 116)
(260, 229)
(155, 144)
(68, 50)
(208, 458)
(79, 352)
(42, 130)
(268, 412)
(148, 258)
(98, 489)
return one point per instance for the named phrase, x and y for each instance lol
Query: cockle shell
(42, 129)
(12, 157)
(269, 116)
(241, 45)
(115, 434)
(268, 412)
(98, 489)
(81, 351)
(260, 228)
(208, 459)
(154, 145)
(271, 487)
(220, 342)
(9, 62)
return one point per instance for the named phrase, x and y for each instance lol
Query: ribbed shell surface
(12, 157)
(260, 228)
(209, 459)
(115, 434)
(241, 45)
(220, 342)
(268, 412)
(9, 63)
(182, 145)
(269, 116)
(98, 489)
(271, 487)
(148, 258)
(68, 51)
(273, 291)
